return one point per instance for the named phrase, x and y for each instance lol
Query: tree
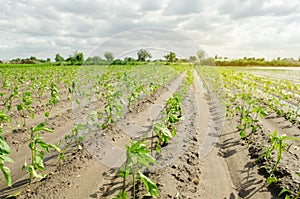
(201, 54)
(96, 60)
(76, 59)
(59, 58)
(193, 58)
(128, 59)
(32, 58)
(109, 56)
(79, 58)
(143, 55)
(171, 57)
(16, 60)
(209, 61)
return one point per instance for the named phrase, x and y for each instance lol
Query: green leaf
(31, 145)
(7, 176)
(39, 162)
(135, 146)
(54, 147)
(46, 114)
(243, 134)
(19, 107)
(158, 148)
(262, 113)
(151, 187)
(124, 173)
(121, 195)
(7, 159)
(32, 115)
(31, 170)
(41, 127)
(173, 118)
(283, 191)
(160, 129)
(271, 179)
(174, 131)
(4, 148)
(144, 159)
(44, 146)
(4, 117)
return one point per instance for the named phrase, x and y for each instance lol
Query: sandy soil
(207, 158)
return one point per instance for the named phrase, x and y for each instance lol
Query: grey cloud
(181, 7)
(150, 38)
(150, 5)
(63, 26)
(238, 9)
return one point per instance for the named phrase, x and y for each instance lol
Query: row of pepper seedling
(139, 153)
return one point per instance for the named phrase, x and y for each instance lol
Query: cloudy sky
(232, 28)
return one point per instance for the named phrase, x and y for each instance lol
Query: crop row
(249, 98)
(25, 89)
(139, 155)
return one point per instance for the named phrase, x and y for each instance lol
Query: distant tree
(209, 61)
(96, 60)
(171, 57)
(109, 56)
(201, 54)
(59, 58)
(193, 58)
(48, 60)
(76, 59)
(32, 58)
(79, 58)
(128, 59)
(16, 60)
(117, 62)
(143, 55)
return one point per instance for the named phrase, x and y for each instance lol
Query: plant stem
(124, 176)
(133, 178)
(151, 144)
(32, 156)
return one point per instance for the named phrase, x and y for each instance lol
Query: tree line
(144, 55)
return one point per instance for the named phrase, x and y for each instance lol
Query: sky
(231, 28)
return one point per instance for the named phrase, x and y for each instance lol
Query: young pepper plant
(112, 97)
(38, 148)
(278, 144)
(164, 135)
(25, 105)
(137, 156)
(259, 111)
(55, 96)
(4, 151)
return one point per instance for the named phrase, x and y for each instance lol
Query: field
(149, 131)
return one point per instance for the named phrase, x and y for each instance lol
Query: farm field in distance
(154, 130)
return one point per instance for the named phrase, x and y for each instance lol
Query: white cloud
(234, 28)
